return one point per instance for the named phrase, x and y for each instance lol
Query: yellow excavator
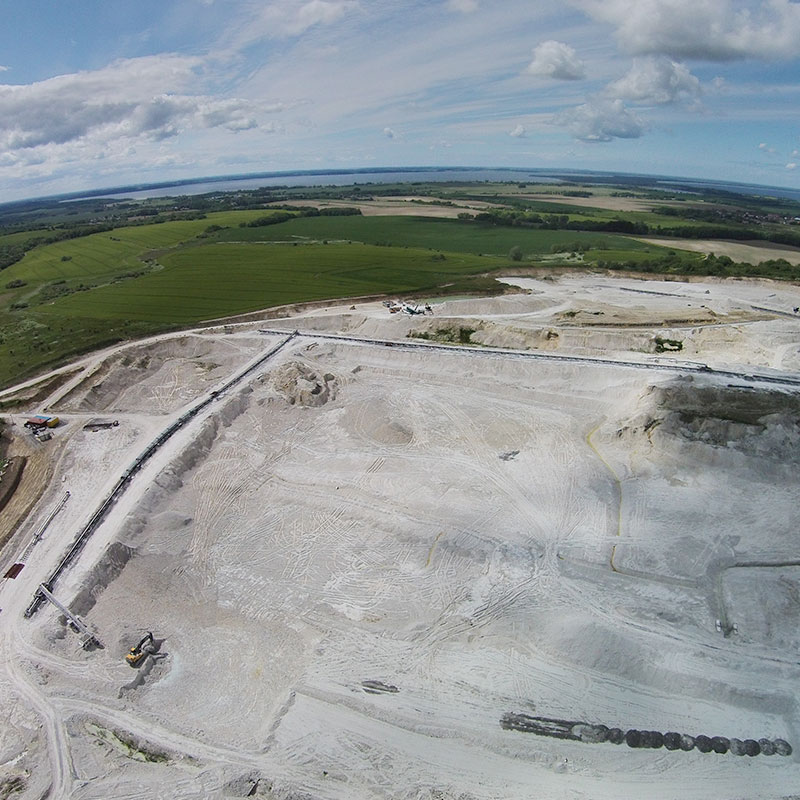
(140, 650)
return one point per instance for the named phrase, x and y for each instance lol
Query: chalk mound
(105, 571)
(301, 385)
(391, 432)
(763, 424)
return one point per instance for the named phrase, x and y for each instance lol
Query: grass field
(77, 295)
(438, 234)
(212, 280)
(199, 283)
(21, 237)
(34, 335)
(114, 252)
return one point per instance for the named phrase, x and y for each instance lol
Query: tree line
(516, 218)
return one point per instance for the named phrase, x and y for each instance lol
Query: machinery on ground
(145, 647)
(40, 421)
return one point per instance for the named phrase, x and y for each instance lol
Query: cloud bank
(710, 30)
(128, 99)
(456, 77)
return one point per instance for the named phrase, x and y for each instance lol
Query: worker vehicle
(140, 650)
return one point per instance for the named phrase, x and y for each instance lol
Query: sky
(98, 94)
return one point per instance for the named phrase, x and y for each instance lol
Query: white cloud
(601, 120)
(144, 97)
(4, 69)
(713, 30)
(655, 80)
(342, 68)
(764, 147)
(463, 6)
(317, 12)
(791, 165)
(557, 60)
(286, 18)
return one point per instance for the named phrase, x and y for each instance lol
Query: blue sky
(96, 94)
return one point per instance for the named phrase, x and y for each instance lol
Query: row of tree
(291, 212)
(516, 218)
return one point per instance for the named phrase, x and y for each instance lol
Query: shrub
(668, 345)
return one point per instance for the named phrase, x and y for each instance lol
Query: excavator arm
(139, 651)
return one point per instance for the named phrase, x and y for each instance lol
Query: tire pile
(681, 741)
(644, 740)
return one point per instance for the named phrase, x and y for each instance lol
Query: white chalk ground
(360, 558)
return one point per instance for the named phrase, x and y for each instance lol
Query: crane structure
(89, 636)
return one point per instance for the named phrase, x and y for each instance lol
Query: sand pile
(762, 424)
(300, 384)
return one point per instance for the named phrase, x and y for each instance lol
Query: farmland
(444, 234)
(204, 282)
(35, 331)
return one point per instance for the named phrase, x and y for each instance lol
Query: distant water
(738, 188)
(427, 175)
(333, 179)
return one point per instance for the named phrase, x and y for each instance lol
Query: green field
(33, 334)
(438, 234)
(76, 295)
(190, 284)
(20, 237)
(199, 283)
(112, 253)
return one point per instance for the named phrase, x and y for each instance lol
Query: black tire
(600, 733)
(720, 744)
(615, 736)
(702, 743)
(672, 740)
(656, 739)
(633, 738)
(736, 747)
(767, 747)
(751, 747)
(782, 747)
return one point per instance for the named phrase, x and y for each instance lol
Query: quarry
(543, 544)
